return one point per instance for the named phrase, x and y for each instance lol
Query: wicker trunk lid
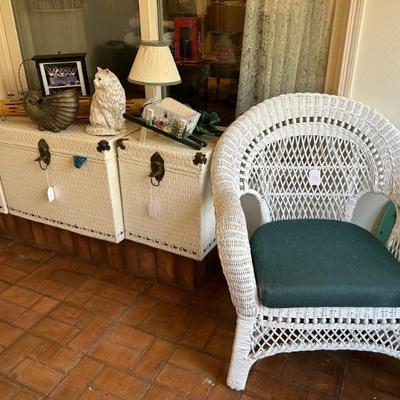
(87, 199)
(178, 214)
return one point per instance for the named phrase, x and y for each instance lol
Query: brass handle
(44, 154)
(157, 169)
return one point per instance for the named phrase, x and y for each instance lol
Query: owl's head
(104, 78)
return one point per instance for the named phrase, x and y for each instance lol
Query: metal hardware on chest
(120, 143)
(200, 158)
(103, 145)
(157, 168)
(44, 154)
(79, 161)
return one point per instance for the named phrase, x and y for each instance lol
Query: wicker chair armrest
(393, 243)
(234, 252)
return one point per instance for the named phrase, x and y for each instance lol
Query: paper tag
(51, 194)
(152, 209)
(314, 177)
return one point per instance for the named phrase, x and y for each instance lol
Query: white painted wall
(377, 80)
(377, 66)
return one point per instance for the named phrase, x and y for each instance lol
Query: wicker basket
(87, 199)
(177, 215)
(15, 108)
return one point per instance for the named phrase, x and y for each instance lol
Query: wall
(377, 80)
(377, 68)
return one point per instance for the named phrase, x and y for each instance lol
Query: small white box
(178, 214)
(169, 114)
(85, 200)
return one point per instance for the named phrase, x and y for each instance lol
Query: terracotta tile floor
(72, 330)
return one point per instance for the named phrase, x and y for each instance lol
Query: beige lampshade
(154, 65)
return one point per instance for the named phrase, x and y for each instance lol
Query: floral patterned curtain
(285, 48)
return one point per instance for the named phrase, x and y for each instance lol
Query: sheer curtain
(285, 48)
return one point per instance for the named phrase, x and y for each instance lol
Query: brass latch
(44, 154)
(157, 168)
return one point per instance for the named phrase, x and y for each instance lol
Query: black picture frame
(61, 72)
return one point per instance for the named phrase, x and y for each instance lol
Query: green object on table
(208, 124)
(387, 223)
(323, 263)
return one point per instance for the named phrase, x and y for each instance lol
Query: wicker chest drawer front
(175, 214)
(82, 176)
(3, 205)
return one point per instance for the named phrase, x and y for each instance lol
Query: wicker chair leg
(240, 361)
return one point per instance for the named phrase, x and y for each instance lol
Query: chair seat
(323, 263)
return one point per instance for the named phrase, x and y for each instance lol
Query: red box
(188, 39)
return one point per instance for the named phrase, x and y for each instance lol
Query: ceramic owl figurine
(108, 105)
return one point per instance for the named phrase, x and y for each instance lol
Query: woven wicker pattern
(270, 151)
(182, 220)
(88, 199)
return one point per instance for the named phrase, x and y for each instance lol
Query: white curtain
(285, 48)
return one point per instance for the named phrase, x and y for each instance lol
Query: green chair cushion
(323, 263)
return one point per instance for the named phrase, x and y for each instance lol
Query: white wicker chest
(175, 214)
(82, 176)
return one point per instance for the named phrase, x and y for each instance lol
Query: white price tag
(314, 177)
(152, 209)
(51, 194)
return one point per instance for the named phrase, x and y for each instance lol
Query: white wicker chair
(359, 150)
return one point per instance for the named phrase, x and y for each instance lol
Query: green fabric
(387, 223)
(317, 263)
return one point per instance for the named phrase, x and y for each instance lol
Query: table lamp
(154, 65)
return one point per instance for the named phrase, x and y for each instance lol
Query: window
(205, 37)
(106, 31)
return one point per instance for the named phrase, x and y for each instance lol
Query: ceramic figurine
(54, 112)
(108, 105)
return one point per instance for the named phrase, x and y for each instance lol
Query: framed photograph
(61, 72)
